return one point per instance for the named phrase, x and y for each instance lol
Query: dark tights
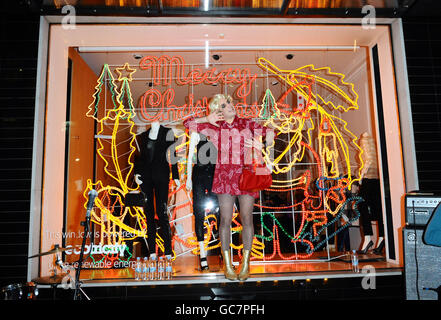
(370, 208)
(202, 180)
(156, 187)
(226, 204)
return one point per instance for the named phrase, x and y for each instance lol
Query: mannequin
(200, 180)
(154, 130)
(370, 208)
(152, 173)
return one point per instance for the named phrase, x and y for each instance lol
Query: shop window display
(316, 103)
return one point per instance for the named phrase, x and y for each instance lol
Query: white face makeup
(227, 108)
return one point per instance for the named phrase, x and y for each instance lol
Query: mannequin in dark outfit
(371, 210)
(370, 191)
(152, 172)
(200, 180)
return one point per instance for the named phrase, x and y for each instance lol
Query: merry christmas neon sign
(165, 70)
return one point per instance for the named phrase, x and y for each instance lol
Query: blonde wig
(214, 104)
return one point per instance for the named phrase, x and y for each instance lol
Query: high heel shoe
(229, 272)
(203, 264)
(379, 249)
(365, 250)
(245, 267)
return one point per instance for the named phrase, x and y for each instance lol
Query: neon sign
(99, 249)
(166, 70)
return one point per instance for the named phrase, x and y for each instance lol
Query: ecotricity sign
(98, 249)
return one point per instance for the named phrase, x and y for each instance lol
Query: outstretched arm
(199, 124)
(194, 140)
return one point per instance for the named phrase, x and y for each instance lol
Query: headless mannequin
(369, 181)
(201, 194)
(153, 135)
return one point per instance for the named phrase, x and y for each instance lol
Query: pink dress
(232, 154)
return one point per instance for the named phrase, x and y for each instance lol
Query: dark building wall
(18, 68)
(423, 53)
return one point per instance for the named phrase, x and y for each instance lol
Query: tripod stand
(67, 270)
(85, 224)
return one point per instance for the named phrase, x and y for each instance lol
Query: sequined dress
(232, 154)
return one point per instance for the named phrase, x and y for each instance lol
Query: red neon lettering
(166, 69)
(164, 109)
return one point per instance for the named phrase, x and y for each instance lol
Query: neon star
(128, 72)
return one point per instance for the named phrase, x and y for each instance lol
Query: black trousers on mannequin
(371, 209)
(202, 177)
(155, 187)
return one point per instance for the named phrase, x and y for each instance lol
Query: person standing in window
(232, 136)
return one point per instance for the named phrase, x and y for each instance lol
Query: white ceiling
(325, 39)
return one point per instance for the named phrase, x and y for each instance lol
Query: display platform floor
(316, 278)
(186, 270)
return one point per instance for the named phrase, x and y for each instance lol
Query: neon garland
(93, 107)
(304, 237)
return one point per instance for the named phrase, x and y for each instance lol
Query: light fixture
(207, 53)
(206, 5)
(192, 48)
(209, 205)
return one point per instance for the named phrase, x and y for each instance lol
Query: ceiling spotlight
(289, 56)
(216, 57)
(137, 56)
(275, 83)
